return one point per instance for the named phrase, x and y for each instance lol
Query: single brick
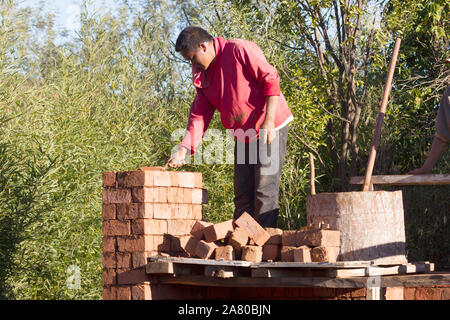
(109, 179)
(218, 231)
(129, 211)
(287, 253)
(123, 260)
(190, 246)
(109, 276)
(134, 276)
(112, 195)
(289, 238)
(141, 291)
(108, 293)
(198, 227)
(182, 211)
(198, 180)
(162, 243)
(324, 254)
(180, 227)
(238, 239)
(135, 243)
(302, 254)
(225, 253)
(109, 244)
(174, 179)
(271, 252)
(199, 196)
(162, 178)
(130, 179)
(149, 226)
(173, 195)
(251, 253)
(275, 235)
(204, 249)
(146, 194)
(109, 260)
(116, 228)
(109, 211)
(139, 259)
(197, 211)
(319, 238)
(187, 195)
(253, 228)
(186, 179)
(163, 210)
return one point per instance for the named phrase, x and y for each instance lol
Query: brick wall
(147, 212)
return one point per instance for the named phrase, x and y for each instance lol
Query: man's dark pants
(257, 179)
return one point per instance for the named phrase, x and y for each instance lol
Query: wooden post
(376, 135)
(313, 174)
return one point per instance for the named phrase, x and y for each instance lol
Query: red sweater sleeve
(200, 116)
(254, 61)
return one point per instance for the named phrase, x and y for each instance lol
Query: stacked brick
(143, 211)
(244, 239)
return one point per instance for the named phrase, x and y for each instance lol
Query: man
(442, 134)
(234, 77)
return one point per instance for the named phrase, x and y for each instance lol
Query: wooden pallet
(230, 269)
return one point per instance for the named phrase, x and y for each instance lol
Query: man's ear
(202, 46)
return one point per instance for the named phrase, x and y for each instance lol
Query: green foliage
(111, 98)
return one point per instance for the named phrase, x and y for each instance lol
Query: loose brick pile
(244, 239)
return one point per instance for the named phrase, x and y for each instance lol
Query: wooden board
(405, 180)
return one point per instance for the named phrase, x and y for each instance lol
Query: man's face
(201, 57)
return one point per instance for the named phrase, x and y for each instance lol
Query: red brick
(134, 276)
(112, 195)
(394, 293)
(204, 249)
(319, 238)
(253, 228)
(162, 194)
(109, 260)
(174, 179)
(116, 228)
(238, 239)
(251, 253)
(324, 254)
(198, 227)
(275, 235)
(129, 179)
(109, 276)
(302, 254)
(409, 293)
(134, 211)
(190, 246)
(146, 194)
(199, 196)
(359, 293)
(163, 210)
(218, 231)
(109, 179)
(109, 244)
(123, 292)
(149, 226)
(186, 179)
(162, 243)
(109, 293)
(141, 291)
(271, 252)
(427, 293)
(139, 259)
(179, 227)
(287, 253)
(123, 259)
(324, 292)
(187, 195)
(182, 211)
(197, 211)
(225, 253)
(445, 294)
(162, 179)
(198, 180)
(109, 211)
(173, 195)
(289, 238)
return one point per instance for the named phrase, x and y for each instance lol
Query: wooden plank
(338, 264)
(226, 271)
(405, 180)
(159, 267)
(236, 263)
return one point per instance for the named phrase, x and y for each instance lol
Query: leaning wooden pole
(381, 113)
(313, 175)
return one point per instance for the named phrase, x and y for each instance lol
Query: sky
(67, 11)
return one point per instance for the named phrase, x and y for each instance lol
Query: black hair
(191, 37)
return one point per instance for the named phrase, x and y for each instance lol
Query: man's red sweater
(236, 84)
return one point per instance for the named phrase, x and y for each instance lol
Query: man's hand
(177, 158)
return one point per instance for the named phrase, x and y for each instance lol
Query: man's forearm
(437, 148)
